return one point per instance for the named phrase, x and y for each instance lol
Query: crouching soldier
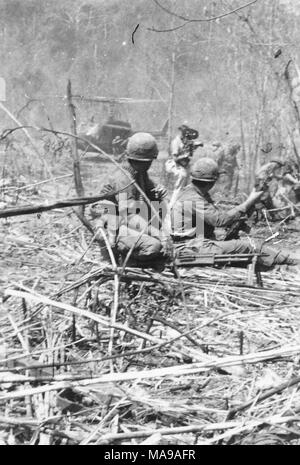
(195, 217)
(130, 221)
(281, 191)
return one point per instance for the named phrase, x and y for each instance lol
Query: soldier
(184, 141)
(283, 185)
(195, 217)
(229, 164)
(217, 153)
(132, 230)
(182, 149)
(225, 155)
(177, 144)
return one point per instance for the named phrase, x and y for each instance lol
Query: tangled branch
(196, 20)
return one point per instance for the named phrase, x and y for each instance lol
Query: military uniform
(229, 165)
(177, 146)
(125, 218)
(181, 176)
(194, 219)
(182, 148)
(281, 187)
(216, 152)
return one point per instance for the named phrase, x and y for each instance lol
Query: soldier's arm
(170, 166)
(290, 178)
(176, 146)
(221, 219)
(119, 183)
(109, 190)
(143, 226)
(155, 191)
(218, 218)
(108, 222)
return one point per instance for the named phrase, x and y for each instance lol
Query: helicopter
(112, 136)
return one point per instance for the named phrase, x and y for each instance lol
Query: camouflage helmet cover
(142, 146)
(205, 169)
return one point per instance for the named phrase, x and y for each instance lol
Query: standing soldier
(216, 152)
(177, 144)
(229, 164)
(182, 150)
(183, 141)
(132, 231)
(225, 155)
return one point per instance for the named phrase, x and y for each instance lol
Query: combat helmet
(142, 146)
(205, 169)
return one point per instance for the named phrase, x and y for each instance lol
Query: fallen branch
(276, 419)
(83, 313)
(263, 396)
(116, 293)
(32, 209)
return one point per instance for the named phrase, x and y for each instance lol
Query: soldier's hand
(198, 144)
(160, 192)
(297, 186)
(252, 199)
(255, 195)
(96, 211)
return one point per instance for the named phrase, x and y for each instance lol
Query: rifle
(187, 258)
(190, 146)
(240, 225)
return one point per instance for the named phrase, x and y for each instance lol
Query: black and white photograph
(149, 225)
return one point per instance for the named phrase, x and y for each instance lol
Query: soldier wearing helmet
(282, 188)
(195, 216)
(133, 182)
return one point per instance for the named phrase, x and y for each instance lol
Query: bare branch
(188, 20)
(152, 29)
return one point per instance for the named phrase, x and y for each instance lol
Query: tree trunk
(242, 132)
(171, 99)
(76, 163)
